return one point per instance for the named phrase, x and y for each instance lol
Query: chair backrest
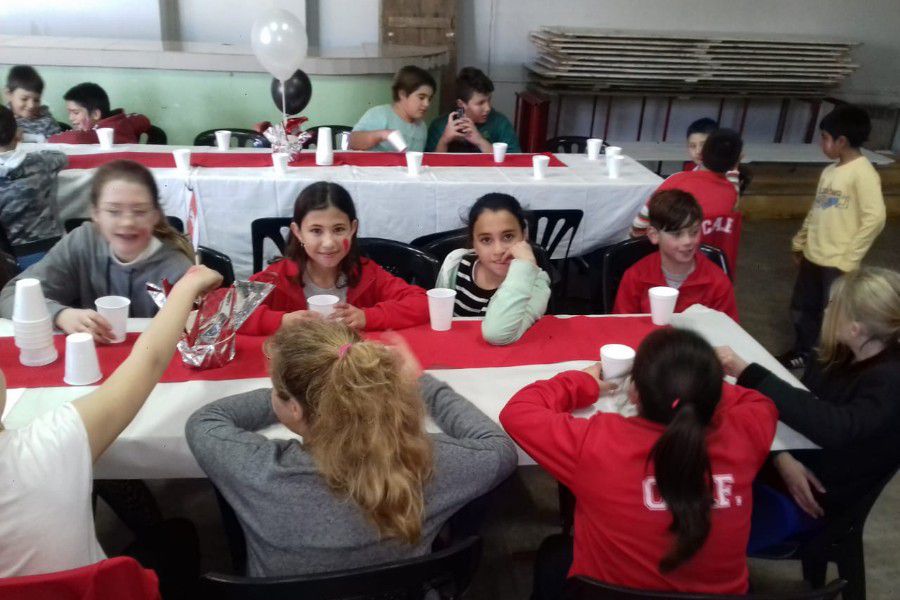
(71, 224)
(567, 144)
(157, 136)
(64, 126)
(242, 138)
(120, 577)
(617, 259)
(448, 571)
(406, 262)
(335, 131)
(217, 261)
(268, 228)
(442, 243)
(585, 588)
(548, 228)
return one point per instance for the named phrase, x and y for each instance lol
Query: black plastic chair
(567, 144)
(267, 228)
(840, 542)
(406, 262)
(217, 261)
(585, 588)
(335, 131)
(442, 243)
(618, 258)
(9, 268)
(64, 126)
(243, 138)
(71, 224)
(156, 136)
(449, 572)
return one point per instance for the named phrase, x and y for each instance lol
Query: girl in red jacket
(323, 258)
(663, 500)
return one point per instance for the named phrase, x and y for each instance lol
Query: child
(697, 132)
(88, 107)
(479, 126)
(46, 519)
(709, 184)
(663, 499)
(675, 218)
(847, 215)
(412, 90)
(323, 258)
(128, 244)
(27, 188)
(23, 96)
(851, 409)
(367, 485)
(499, 279)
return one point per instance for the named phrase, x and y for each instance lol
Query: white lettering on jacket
(723, 493)
(723, 224)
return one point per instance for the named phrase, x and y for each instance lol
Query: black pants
(172, 549)
(808, 302)
(551, 567)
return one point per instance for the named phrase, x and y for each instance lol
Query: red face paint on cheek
(346, 245)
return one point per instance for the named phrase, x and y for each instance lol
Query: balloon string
(283, 108)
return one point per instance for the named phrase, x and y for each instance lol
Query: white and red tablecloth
(153, 446)
(232, 188)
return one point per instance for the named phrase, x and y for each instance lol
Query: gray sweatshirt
(294, 524)
(79, 269)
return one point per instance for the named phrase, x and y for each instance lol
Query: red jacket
(388, 301)
(621, 522)
(128, 130)
(715, 193)
(707, 285)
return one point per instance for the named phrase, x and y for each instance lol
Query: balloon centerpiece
(279, 43)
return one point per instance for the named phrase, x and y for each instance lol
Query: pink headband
(343, 350)
(676, 403)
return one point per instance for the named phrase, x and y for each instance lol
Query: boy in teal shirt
(479, 126)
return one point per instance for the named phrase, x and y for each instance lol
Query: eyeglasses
(141, 215)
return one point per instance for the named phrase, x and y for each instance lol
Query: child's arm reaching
(366, 140)
(109, 409)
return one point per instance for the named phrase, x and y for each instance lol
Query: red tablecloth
(165, 160)
(551, 340)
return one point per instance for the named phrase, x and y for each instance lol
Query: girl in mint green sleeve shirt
(499, 279)
(412, 90)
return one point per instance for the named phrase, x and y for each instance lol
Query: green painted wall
(184, 103)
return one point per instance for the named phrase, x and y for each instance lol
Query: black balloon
(297, 92)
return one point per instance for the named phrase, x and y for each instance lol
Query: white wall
(493, 35)
(107, 18)
(344, 23)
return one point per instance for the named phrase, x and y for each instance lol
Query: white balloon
(279, 42)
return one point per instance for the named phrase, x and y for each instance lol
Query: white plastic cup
(182, 160)
(280, 162)
(322, 303)
(105, 137)
(28, 303)
(32, 327)
(82, 367)
(38, 357)
(593, 148)
(500, 151)
(662, 304)
(440, 308)
(414, 163)
(540, 163)
(34, 340)
(344, 141)
(324, 147)
(397, 140)
(613, 151)
(614, 165)
(223, 140)
(115, 310)
(616, 361)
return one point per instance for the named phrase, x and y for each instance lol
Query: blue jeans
(29, 259)
(776, 519)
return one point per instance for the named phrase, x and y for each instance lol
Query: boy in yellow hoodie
(847, 215)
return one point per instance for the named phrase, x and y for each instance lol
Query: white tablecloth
(153, 445)
(390, 204)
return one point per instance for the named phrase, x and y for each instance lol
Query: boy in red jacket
(675, 218)
(88, 107)
(709, 184)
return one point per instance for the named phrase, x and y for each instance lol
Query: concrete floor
(526, 508)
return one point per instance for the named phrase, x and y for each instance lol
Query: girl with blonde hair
(367, 484)
(852, 410)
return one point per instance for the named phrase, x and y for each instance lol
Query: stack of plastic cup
(324, 147)
(82, 366)
(32, 325)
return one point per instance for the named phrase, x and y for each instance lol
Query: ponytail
(679, 382)
(170, 236)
